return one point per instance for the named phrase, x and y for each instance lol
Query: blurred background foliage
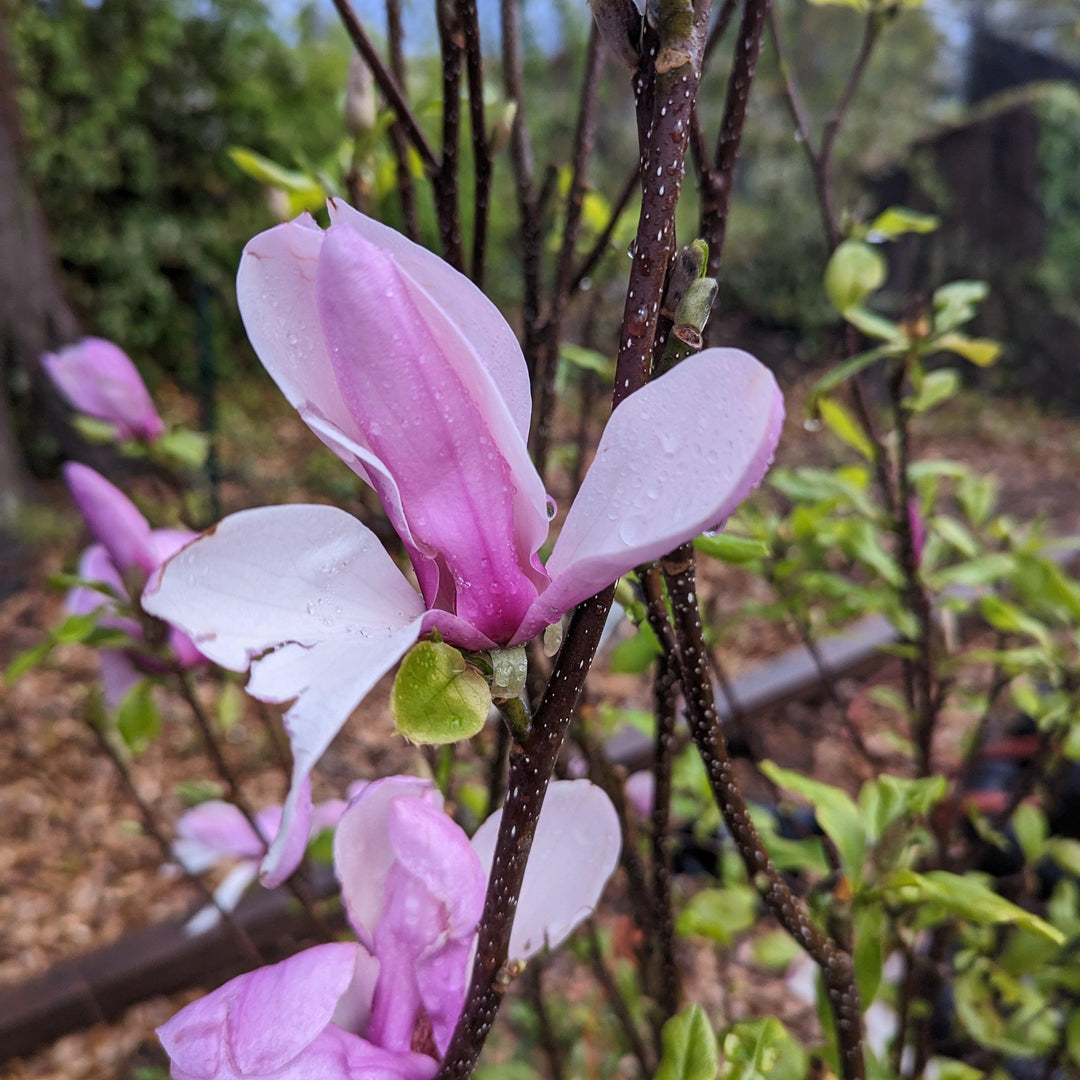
(129, 109)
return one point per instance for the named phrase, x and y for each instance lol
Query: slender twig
(665, 693)
(247, 946)
(395, 40)
(445, 180)
(664, 102)
(531, 764)
(521, 163)
(276, 738)
(549, 1037)
(600, 245)
(481, 151)
(718, 181)
(719, 27)
(561, 293)
(387, 84)
(602, 773)
(617, 1002)
(837, 969)
(236, 796)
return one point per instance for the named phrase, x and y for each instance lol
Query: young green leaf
(437, 698)
(689, 1047)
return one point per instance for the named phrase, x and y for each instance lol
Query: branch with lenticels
(667, 78)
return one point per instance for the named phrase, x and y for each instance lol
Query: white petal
(676, 458)
(573, 854)
(227, 895)
(264, 577)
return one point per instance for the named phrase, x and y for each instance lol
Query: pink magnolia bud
(99, 379)
(918, 529)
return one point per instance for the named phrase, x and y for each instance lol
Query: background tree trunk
(34, 316)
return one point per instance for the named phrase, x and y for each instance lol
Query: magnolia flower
(216, 832)
(410, 375)
(126, 553)
(384, 1008)
(97, 378)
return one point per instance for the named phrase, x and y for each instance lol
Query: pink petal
(118, 675)
(220, 827)
(640, 788)
(99, 379)
(573, 854)
(429, 412)
(112, 518)
(279, 1010)
(311, 589)
(676, 458)
(363, 853)
(194, 1038)
(442, 293)
(275, 289)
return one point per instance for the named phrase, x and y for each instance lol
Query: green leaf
(635, 654)
(842, 423)
(936, 388)
(955, 303)
(855, 271)
(775, 950)
(731, 549)
(270, 173)
(182, 449)
(887, 799)
(719, 914)
(874, 325)
(840, 374)
(952, 532)
(437, 698)
(75, 628)
(230, 705)
(979, 351)
(137, 716)
(967, 898)
(762, 1049)
(1031, 829)
(1010, 619)
(99, 432)
(587, 359)
(836, 813)
(869, 953)
(28, 660)
(193, 792)
(898, 220)
(689, 1047)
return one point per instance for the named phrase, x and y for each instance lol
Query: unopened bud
(694, 311)
(689, 266)
(360, 110)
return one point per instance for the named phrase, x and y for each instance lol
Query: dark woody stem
(247, 947)
(395, 40)
(665, 86)
(837, 969)
(387, 84)
(531, 764)
(481, 151)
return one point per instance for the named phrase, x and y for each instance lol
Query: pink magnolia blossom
(216, 832)
(126, 553)
(410, 375)
(384, 1008)
(97, 378)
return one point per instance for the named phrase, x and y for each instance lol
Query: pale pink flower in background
(640, 789)
(126, 553)
(918, 529)
(413, 889)
(98, 379)
(410, 375)
(217, 832)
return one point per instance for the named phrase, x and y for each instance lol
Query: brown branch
(395, 38)
(481, 151)
(445, 180)
(561, 292)
(387, 84)
(665, 102)
(521, 163)
(717, 183)
(247, 946)
(531, 764)
(837, 970)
